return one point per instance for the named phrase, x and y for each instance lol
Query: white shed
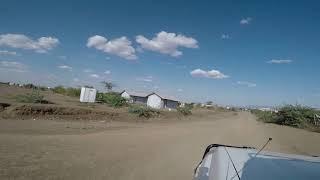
(125, 95)
(155, 101)
(135, 97)
(88, 94)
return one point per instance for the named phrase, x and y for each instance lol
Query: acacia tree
(209, 103)
(108, 85)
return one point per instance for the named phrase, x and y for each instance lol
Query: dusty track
(142, 151)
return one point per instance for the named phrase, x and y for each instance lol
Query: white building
(88, 95)
(152, 100)
(135, 97)
(158, 102)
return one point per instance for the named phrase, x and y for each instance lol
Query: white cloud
(62, 57)
(121, 46)
(245, 83)
(65, 67)
(40, 45)
(13, 66)
(214, 74)
(87, 70)
(246, 20)
(225, 36)
(107, 72)
(167, 43)
(179, 90)
(94, 75)
(5, 52)
(145, 79)
(280, 61)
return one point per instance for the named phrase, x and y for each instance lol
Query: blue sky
(230, 52)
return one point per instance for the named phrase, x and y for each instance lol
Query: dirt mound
(48, 111)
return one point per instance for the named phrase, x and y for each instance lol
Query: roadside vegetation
(143, 111)
(111, 98)
(34, 97)
(73, 92)
(186, 109)
(292, 115)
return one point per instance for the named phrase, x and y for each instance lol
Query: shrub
(265, 116)
(33, 97)
(30, 86)
(111, 98)
(186, 109)
(74, 92)
(59, 90)
(143, 111)
(296, 116)
(290, 115)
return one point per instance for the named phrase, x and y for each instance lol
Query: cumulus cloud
(40, 45)
(167, 43)
(94, 75)
(62, 57)
(87, 70)
(13, 66)
(225, 36)
(214, 74)
(65, 67)
(280, 61)
(5, 52)
(246, 83)
(145, 79)
(107, 72)
(246, 20)
(120, 47)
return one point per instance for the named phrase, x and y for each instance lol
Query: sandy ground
(123, 150)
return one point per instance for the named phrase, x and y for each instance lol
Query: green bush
(33, 97)
(186, 109)
(143, 111)
(59, 90)
(296, 116)
(111, 98)
(73, 92)
(265, 116)
(290, 115)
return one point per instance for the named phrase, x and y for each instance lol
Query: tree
(108, 85)
(209, 103)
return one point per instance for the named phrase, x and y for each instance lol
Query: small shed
(156, 101)
(135, 97)
(88, 94)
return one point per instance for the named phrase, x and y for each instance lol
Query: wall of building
(88, 95)
(139, 100)
(171, 104)
(155, 101)
(125, 95)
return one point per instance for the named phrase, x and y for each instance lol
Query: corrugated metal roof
(145, 94)
(136, 93)
(164, 96)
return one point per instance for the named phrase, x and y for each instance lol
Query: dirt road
(143, 151)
